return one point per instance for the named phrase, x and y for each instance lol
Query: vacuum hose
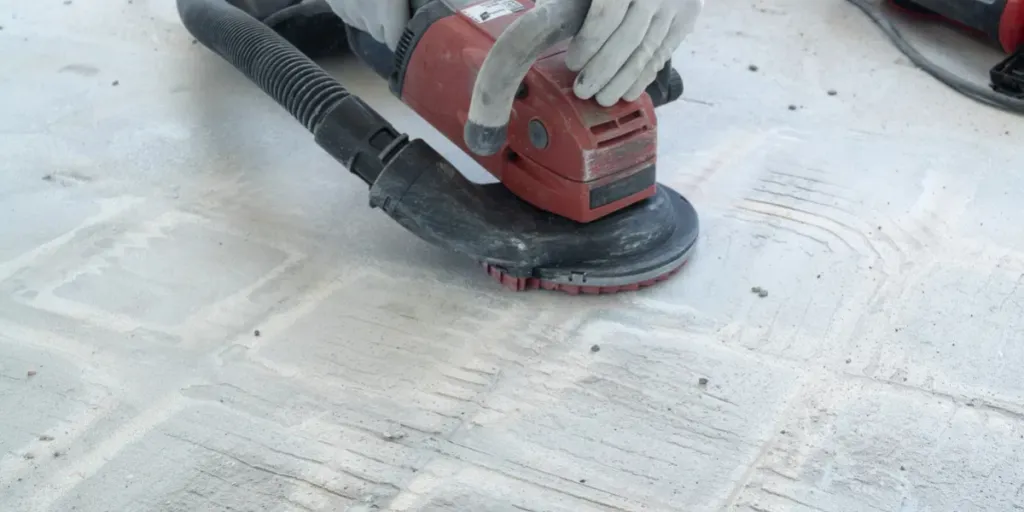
(281, 70)
(341, 123)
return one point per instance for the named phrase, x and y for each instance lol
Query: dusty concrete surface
(152, 226)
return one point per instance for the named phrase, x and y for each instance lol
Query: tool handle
(508, 62)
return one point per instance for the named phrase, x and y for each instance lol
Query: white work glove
(385, 20)
(624, 43)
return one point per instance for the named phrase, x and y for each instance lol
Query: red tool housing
(1001, 21)
(564, 155)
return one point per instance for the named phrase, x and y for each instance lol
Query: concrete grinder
(577, 209)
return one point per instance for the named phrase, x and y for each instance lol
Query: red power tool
(1002, 21)
(578, 208)
(568, 156)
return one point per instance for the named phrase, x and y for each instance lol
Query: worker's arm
(385, 20)
(623, 44)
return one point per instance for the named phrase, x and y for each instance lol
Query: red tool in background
(1001, 22)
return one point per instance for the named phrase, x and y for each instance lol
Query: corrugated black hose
(342, 124)
(275, 65)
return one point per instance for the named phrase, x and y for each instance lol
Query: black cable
(956, 82)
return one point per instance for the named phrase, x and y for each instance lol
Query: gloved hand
(624, 43)
(385, 20)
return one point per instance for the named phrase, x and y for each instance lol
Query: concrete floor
(158, 210)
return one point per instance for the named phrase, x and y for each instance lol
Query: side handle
(507, 64)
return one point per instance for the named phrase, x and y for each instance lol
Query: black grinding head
(636, 245)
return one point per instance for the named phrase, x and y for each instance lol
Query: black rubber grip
(485, 140)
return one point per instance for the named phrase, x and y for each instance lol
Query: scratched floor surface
(199, 312)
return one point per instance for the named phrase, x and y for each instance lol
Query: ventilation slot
(604, 127)
(619, 138)
(632, 116)
(608, 132)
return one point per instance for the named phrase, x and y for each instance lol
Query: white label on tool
(492, 9)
